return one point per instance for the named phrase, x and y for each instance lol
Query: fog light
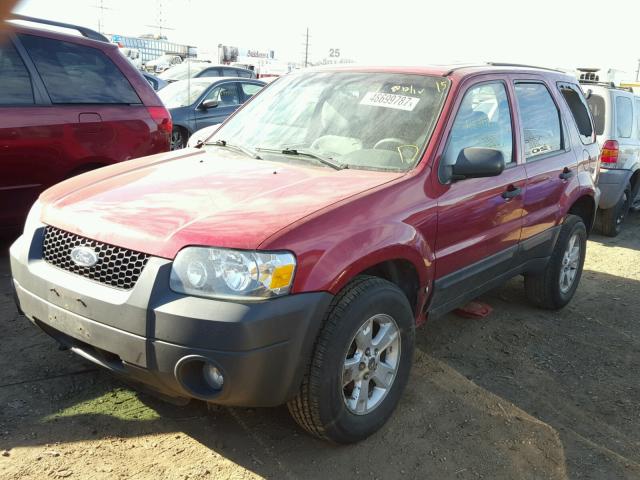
(212, 376)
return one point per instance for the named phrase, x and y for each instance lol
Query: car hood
(161, 203)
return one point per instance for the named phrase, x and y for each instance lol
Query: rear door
(479, 219)
(228, 96)
(550, 162)
(94, 116)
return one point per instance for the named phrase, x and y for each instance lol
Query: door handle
(511, 192)
(566, 174)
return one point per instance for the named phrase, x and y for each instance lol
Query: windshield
(359, 120)
(183, 71)
(182, 93)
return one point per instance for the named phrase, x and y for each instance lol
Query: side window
(540, 120)
(229, 72)
(624, 117)
(15, 80)
(580, 111)
(244, 74)
(210, 72)
(77, 74)
(483, 120)
(250, 89)
(226, 95)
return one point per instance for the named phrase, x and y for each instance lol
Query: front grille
(116, 267)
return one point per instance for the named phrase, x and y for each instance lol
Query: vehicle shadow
(523, 393)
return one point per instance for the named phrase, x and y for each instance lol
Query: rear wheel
(178, 138)
(611, 219)
(555, 286)
(360, 364)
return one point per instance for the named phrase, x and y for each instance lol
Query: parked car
(195, 70)
(68, 104)
(616, 113)
(201, 102)
(156, 82)
(162, 63)
(290, 258)
(133, 55)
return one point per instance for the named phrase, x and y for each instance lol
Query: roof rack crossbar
(85, 32)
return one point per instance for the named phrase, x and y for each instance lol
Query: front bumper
(149, 333)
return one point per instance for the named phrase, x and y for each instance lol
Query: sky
(548, 33)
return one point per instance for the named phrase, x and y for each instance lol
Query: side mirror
(588, 93)
(477, 162)
(207, 104)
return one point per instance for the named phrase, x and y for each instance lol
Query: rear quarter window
(624, 117)
(597, 107)
(579, 110)
(15, 82)
(75, 73)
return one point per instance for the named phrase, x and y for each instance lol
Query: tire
(321, 405)
(178, 138)
(544, 289)
(611, 219)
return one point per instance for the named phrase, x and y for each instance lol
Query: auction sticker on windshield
(389, 100)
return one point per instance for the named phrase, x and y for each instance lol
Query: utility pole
(306, 49)
(100, 6)
(638, 71)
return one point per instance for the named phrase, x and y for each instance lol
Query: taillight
(162, 117)
(609, 153)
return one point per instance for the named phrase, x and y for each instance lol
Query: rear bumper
(152, 335)
(612, 183)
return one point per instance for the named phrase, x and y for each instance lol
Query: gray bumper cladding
(612, 183)
(152, 335)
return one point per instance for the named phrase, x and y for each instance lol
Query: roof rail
(498, 64)
(501, 64)
(85, 32)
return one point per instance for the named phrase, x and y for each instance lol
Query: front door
(479, 219)
(228, 98)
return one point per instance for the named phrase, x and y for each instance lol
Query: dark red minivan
(68, 104)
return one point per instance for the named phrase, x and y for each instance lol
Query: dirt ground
(521, 394)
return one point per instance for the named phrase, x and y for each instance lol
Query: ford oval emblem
(84, 256)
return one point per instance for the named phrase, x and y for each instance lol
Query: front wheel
(360, 364)
(555, 286)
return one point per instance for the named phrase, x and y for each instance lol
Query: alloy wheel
(371, 363)
(570, 263)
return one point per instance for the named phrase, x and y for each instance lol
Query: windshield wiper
(305, 153)
(239, 148)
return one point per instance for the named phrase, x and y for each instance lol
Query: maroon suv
(68, 104)
(290, 256)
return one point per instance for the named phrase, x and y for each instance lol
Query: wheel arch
(585, 208)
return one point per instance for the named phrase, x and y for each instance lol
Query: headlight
(223, 273)
(33, 219)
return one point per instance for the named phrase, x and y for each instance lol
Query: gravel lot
(523, 393)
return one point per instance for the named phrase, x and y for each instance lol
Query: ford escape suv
(289, 258)
(616, 117)
(68, 104)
